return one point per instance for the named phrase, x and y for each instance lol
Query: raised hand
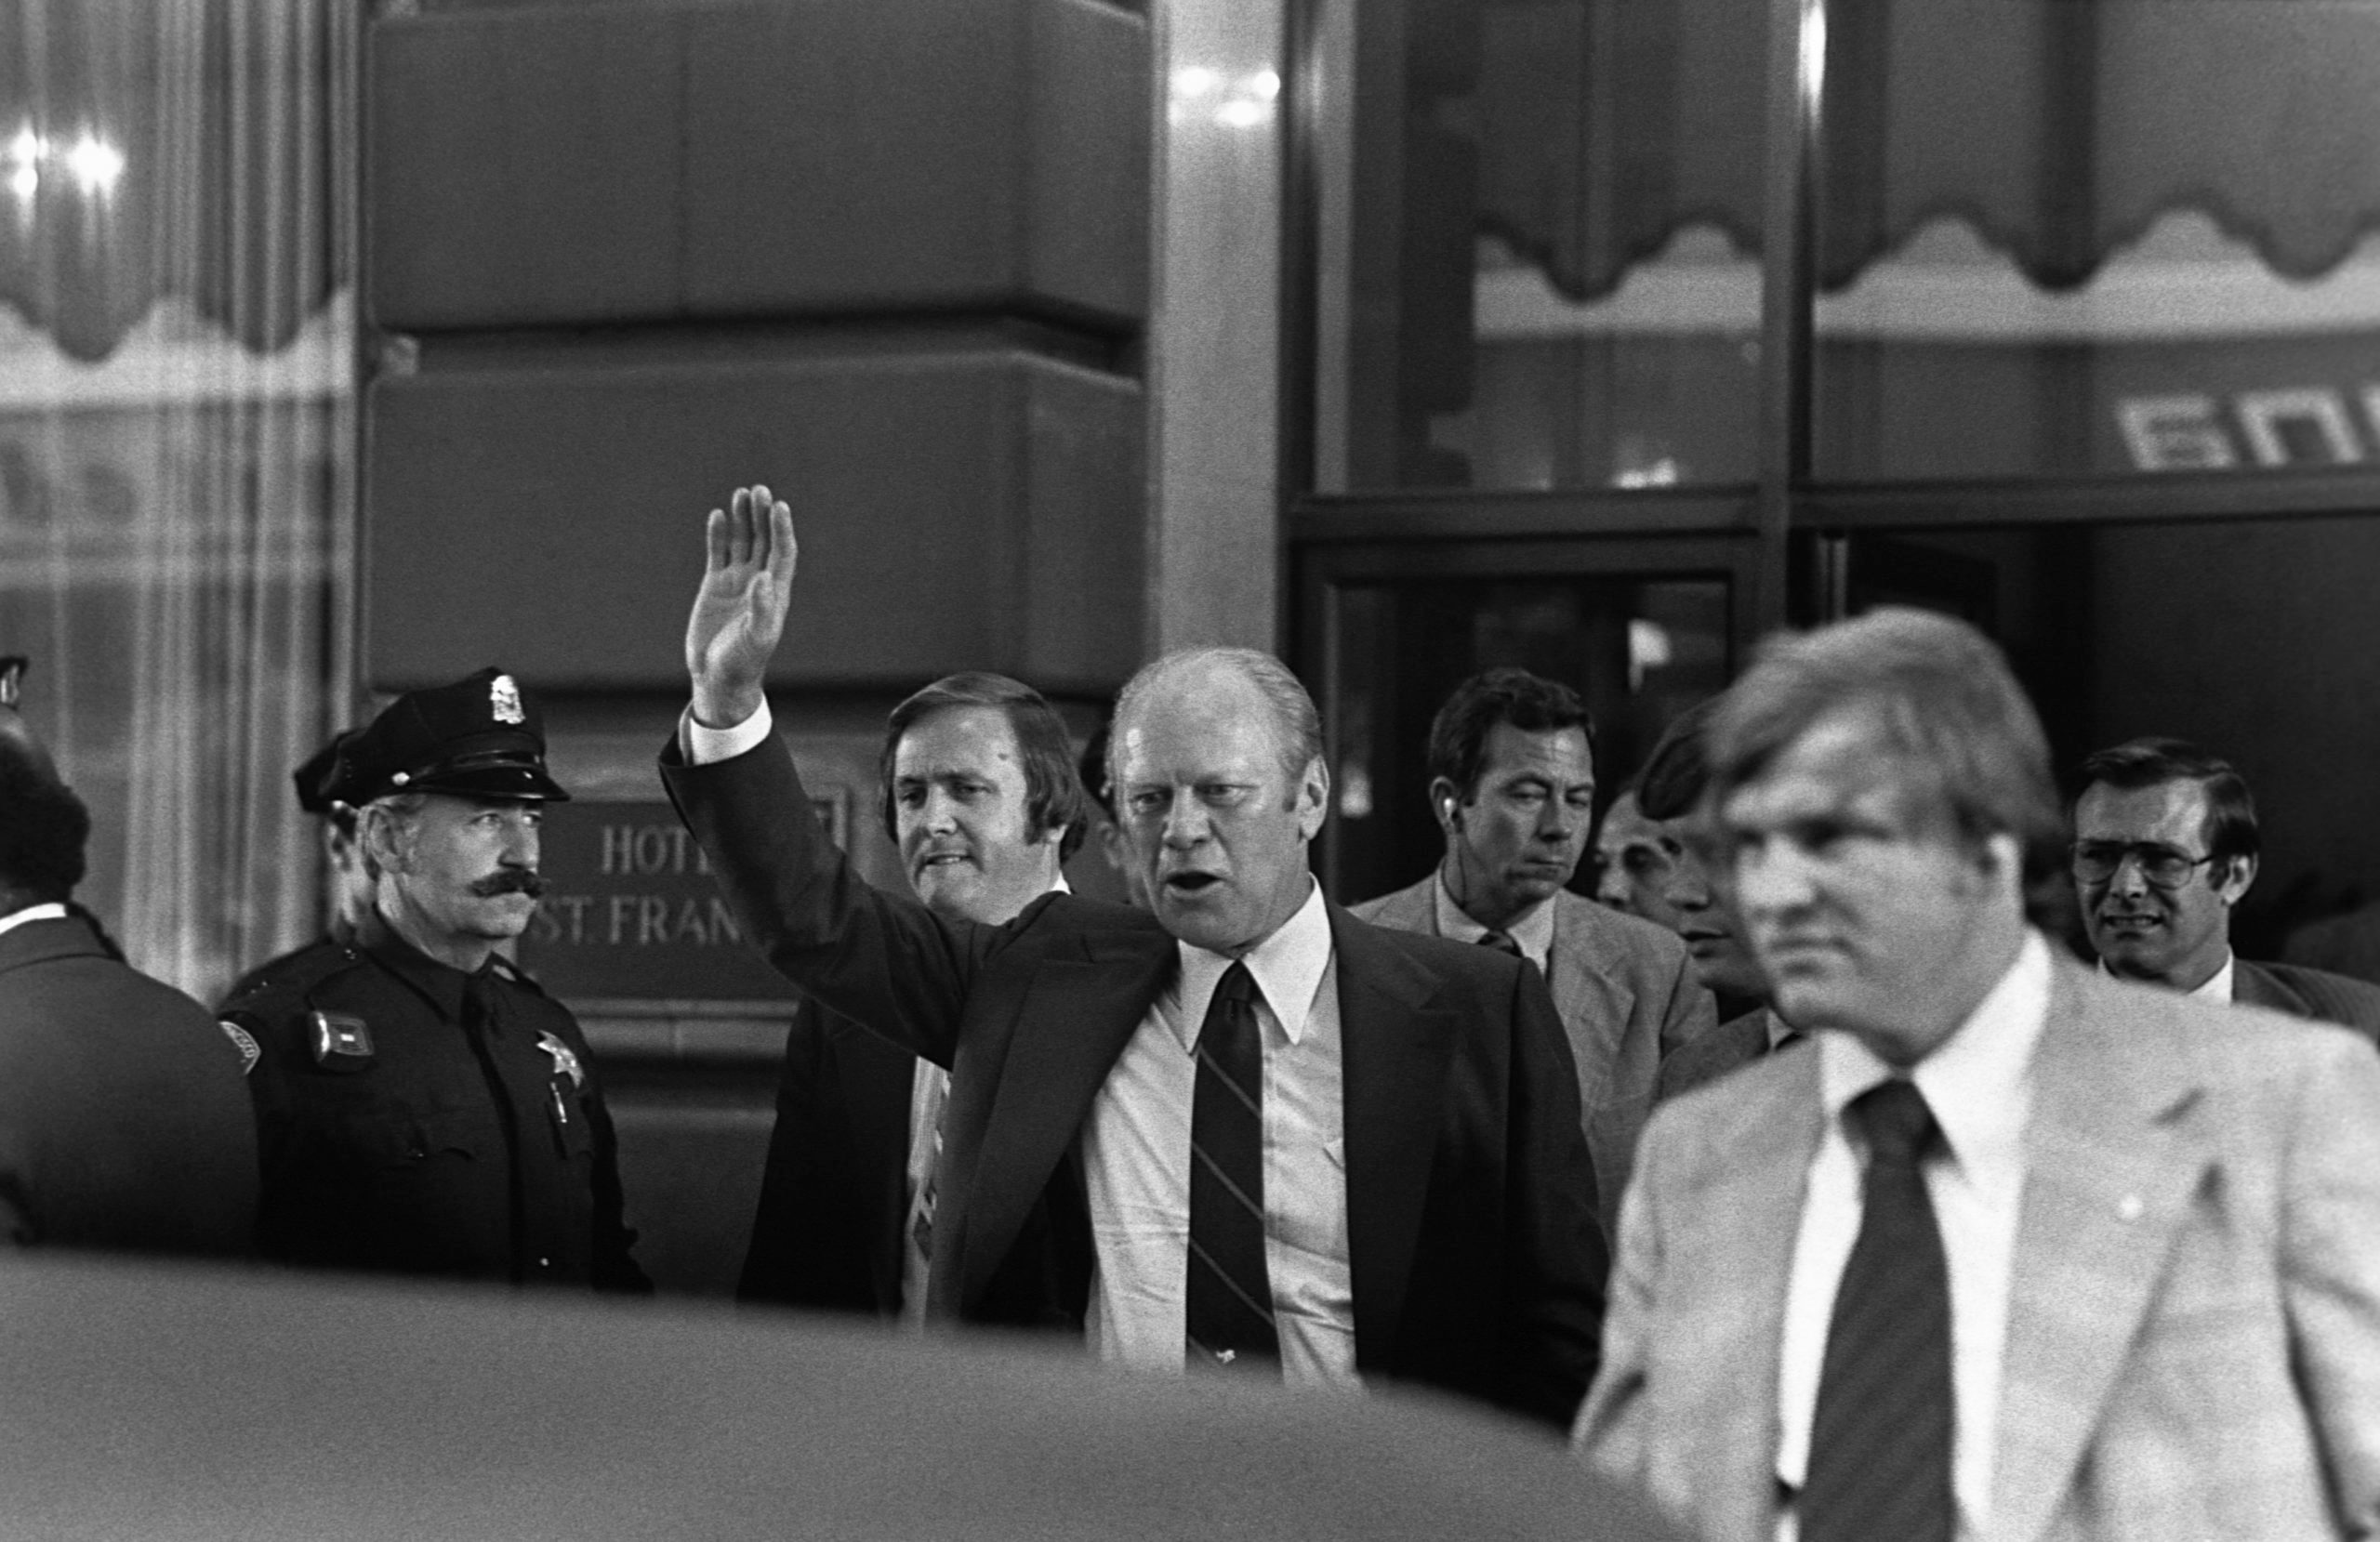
(739, 612)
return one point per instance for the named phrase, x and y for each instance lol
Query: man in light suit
(1390, 1181)
(2165, 845)
(2010, 1250)
(1512, 784)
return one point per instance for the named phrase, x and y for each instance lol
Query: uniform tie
(1502, 941)
(1229, 1304)
(1880, 1438)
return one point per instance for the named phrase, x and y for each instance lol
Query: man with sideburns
(981, 799)
(1513, 785)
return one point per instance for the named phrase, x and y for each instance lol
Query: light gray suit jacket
(2193, 1335)
(1627, 997)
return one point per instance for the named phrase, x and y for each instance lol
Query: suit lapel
(1577, 983)
(1746, 1221)
(2112, 1159)
(1395, 1044)
(1075, 1020)
(2252, 986)
(876, 1082)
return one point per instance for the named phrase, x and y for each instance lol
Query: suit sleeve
(1691, 1012)
(1554, 1312)
(885, 960)
(612, 1264)
(770, 1263)
(2330, 1270)
(1611, 1434)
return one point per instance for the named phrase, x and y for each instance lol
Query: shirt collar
(2217, 987)
(441, 983)
(1287, 966)
(1975, 1081)
(1532, 929)
(51, 910)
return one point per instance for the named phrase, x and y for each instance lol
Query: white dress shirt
(2215, 987)
(15, 918)
(1532, 929)
(1136, 1144)
(1136, 1162)
(1979, 1083)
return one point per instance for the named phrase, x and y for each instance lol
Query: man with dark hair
(1672, 784)
(2153, 813)
(123, 1122)
(982, 800)
(319, 786)
(1242, 1131)
(1632, 857)
(423, 1107)
(2010, 1248)
(1512, 784)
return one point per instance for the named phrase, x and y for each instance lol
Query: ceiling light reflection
(96, 165)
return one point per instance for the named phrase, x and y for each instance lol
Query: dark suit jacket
(1477, 1261)
(1711, 1055)
(124, 1122)
(1627, 997)
(835, 1192)
(2301, 991)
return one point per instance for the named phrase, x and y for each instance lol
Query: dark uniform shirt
(419, 1119)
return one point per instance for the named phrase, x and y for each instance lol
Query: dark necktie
(1880, 1438)
(1502, 941)
(1229, 1314)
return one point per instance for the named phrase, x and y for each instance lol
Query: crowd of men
(1807, 1183)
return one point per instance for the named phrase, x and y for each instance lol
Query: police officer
(352, 885)
(422, 1105)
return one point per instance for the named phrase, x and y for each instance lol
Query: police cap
(481, 737)
(320, 781)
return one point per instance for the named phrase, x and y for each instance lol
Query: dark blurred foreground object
(14, 733)
(123, 1119)
(197, 1405)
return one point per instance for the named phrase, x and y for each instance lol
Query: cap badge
(504, 700)
(565, 1058)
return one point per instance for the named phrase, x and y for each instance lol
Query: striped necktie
(1880, 1438)
(1229, 1290)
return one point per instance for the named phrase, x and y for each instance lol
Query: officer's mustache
(511, 880)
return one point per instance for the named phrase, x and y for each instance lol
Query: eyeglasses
(2096, 861)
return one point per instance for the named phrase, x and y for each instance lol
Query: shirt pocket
(399, 1138)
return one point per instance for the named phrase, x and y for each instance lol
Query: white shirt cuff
(705, 745)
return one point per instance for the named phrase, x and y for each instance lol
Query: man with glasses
(2165, 845)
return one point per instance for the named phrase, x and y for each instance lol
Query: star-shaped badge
(565, 1058)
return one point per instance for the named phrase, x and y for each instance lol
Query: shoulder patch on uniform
(340, 1037)
(245, 1042)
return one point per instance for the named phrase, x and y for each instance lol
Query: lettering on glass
(2271, 429)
